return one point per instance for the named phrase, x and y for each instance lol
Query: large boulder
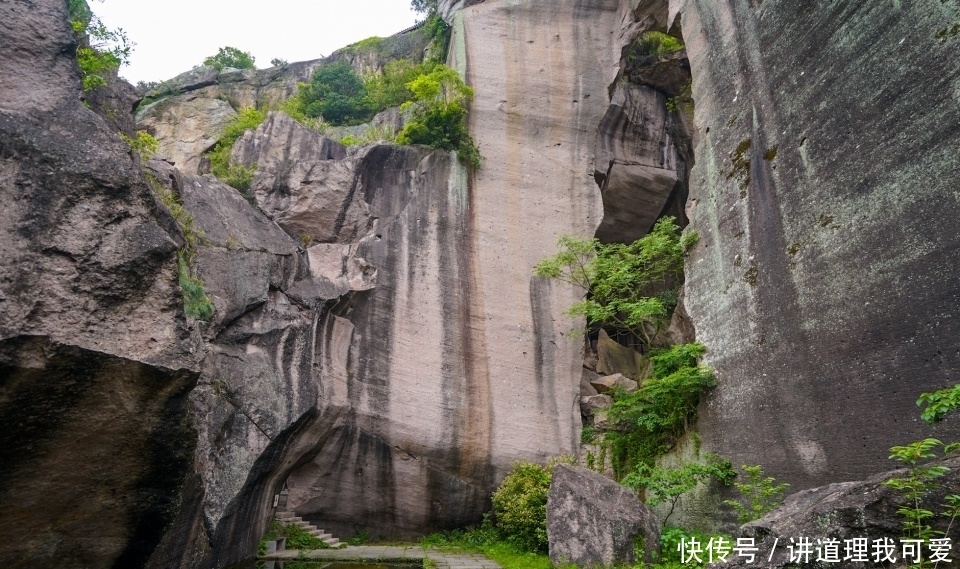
(593, 521)
(618, 359)
(844, 511)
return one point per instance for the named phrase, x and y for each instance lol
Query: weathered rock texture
(842, 511)
(825, 198)
(95, 363)
(594, 522)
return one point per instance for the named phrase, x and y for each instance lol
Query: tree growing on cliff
(230, 57)
(336, 93)
(627, 287)
(101, 50)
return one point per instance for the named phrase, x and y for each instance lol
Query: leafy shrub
(336, 93)
(390, 89)
(661, 485)
(439, 114)
(144, 144)
(101, 50)
(657, 43)
(520, 506)
(230, 57)
(760, 494)
(196, 303)
(660, 411)
(236, 175)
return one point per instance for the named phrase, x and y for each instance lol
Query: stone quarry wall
(824, 193)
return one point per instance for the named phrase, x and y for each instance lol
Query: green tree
(520, 505)
(230, 57)
(424, 6)
(760, 494)
(667, 485)
(337, 94)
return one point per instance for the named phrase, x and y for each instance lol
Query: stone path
(387, 553)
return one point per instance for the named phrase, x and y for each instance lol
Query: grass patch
(488, 541)
(236, 175)
(196, 303)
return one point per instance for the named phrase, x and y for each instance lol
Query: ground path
(389, 553)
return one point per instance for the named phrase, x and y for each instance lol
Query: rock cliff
(379, 345)
(824, 196)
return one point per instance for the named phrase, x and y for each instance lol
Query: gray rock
(594, 522)
(185, 127)
(638, 165)
(785, 287)
(586, 378)
(845, 510)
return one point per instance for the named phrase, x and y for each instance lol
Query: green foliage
(631, 287)
(939, 403)
(920, 480)
(656, 43)
(144, 144)
(196, 303)
(660, 485)
(520, 506)
(278, 62)
(235, 175)
(373, 44)
(439, 33)
(230, 57)
(390, 89)
(336, 93)
(670, 539)
(101, 51)
(760, 494)
(424, 6)
(489, 541)
(660, 411)
(922, 476)
(439, 112)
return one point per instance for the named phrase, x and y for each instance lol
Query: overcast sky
(174, 35)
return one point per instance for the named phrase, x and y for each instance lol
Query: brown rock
(586, 378)
(608, 383)
(614, 358)
(590, 404)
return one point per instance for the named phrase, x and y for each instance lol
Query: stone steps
(291, 518)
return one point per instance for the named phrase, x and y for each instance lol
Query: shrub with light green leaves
(439, 112)
(520, 505)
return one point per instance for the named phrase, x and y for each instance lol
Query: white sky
(174, 35)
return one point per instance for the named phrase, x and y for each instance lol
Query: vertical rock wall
(825, 195)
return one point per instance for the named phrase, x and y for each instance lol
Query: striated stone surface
(823, 284)
(592, 403)
(594, 522)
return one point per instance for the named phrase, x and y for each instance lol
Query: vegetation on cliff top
(230, 57)
(101, 50)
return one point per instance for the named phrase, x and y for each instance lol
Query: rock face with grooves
(825, 199)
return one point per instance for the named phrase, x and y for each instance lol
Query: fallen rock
(842, 511)
(616, 381)
(593, 521)
(586, 389)
(614, 358)
(593, 403)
